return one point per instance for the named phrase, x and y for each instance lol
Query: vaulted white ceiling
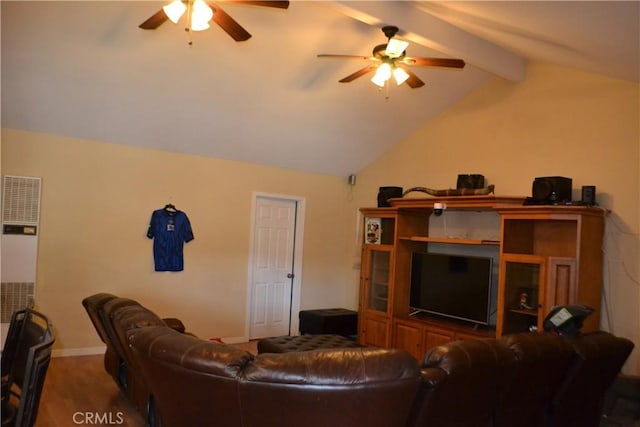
(84, 69)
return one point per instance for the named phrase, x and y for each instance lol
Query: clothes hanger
(169, 207)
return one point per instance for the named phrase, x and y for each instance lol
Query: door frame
(296, 283)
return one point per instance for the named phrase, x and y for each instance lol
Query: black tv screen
(451, 285)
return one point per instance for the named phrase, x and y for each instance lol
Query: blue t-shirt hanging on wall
(170, 230)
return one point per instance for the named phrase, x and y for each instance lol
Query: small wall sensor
(438, 208)
(352, 179)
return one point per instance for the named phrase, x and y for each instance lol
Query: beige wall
(96, 203)
(97, 199)
(557, 122)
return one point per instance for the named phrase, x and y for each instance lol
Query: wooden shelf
(379, 247)
(451, 240)
(551, 212)
(484, 331)
(490, 202)
(531, 312)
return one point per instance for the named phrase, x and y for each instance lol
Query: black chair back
(11, 344)
(30, 341)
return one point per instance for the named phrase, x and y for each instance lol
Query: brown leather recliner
(94, 305)
(120, 375)
(369, 387)
(193, 382)
(462, 384)
(99, 308)
(542, 363)
(579, 401)
(112, 317)
(123, 320)
(203, 383)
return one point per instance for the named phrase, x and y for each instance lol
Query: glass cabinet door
(522, 298)
(379, 274)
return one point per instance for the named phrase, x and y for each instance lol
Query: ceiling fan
(390, 59)
(200, 12)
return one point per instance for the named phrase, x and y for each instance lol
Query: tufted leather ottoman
(303, 343)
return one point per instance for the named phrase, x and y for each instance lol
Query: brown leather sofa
(520, 380)
(463, 383)
(203, 383)
(542, 362)
(581, 399)
(528, 379)
(112, 317)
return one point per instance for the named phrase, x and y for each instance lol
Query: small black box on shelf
(589, 195)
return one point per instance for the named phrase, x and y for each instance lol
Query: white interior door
(272, 267)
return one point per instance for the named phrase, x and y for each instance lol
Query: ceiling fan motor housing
(380, 51)
(390, 30)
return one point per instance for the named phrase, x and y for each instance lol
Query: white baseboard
(234, 340)
(85, 351)
(89, 351)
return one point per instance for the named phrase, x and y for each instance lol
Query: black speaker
(551, 190)
(386, 193)
(472, 181)
(589, 195)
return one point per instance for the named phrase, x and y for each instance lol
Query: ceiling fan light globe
(383, 73)
(174, 10)
(200, 16)
(202, 11)
(199, 25)
(400, 76)
(376, 80)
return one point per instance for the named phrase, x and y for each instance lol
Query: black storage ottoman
(337, 321)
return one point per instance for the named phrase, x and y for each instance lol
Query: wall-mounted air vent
(13, 297)
(19, 243)
(20, 200)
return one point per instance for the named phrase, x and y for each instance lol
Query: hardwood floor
(78, 391)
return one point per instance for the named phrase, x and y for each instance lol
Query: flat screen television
(456, 286)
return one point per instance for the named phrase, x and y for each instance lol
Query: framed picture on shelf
(373, 231)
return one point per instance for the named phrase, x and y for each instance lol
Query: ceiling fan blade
(358, 73)
(227, 23)
(276, 4)
(330, 55)
(154, 21)
(434, 62)
(413, 81)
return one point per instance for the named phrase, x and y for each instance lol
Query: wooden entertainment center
(551, 254)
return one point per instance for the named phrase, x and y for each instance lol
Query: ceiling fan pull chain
(188, 27)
